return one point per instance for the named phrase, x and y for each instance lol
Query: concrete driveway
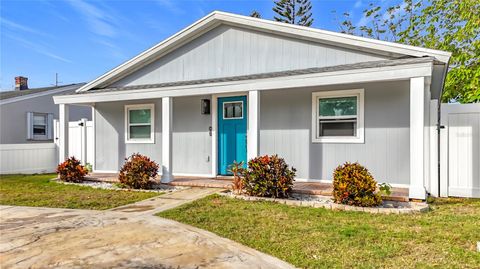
(64, 238)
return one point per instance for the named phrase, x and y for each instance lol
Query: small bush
(138, 172)
(268, 176)
(237, 169)
(354, 185)
(71, 170)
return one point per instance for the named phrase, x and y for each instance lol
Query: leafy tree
(255, 14)
(293, 12)
(450, 25)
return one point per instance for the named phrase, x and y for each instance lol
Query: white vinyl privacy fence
(460, 150)
(43, 157)
(28, 158)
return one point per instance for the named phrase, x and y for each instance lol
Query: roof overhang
(386, 73)
(216, 18)
(39, 94)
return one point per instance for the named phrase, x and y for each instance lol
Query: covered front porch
(299, 187)
(391, 129)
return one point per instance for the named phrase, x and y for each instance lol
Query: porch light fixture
(205, 106)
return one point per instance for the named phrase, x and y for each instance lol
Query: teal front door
(232, 132)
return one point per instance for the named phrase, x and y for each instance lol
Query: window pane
(39, 130)
(232, 110)
(338, 128)
(140, 132)
(139, 115)
(39, 120)
(338, 106)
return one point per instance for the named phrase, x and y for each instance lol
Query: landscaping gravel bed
(116, 186)
(387, 207)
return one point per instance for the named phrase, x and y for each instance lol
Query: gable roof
(288, 73)
(217, 18)
(13, 96)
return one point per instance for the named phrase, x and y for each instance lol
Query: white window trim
(40, 136)
(234, 118)
(150, 140)
(360, 137)
(48, 126)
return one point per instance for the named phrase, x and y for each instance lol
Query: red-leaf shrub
(268, 176)
(71, 170)
(354, 185)
(138, 172)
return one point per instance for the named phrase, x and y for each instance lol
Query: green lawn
(445, 237)
(38, 190)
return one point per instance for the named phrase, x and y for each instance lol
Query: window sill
(339, 140)
(140, 141)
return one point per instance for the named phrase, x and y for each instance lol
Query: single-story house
(26, 115)
(231, 87)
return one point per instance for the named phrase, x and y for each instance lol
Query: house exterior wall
(13, 117)
(191, 140)
(110, 146)
(231, 51)
(285, 129)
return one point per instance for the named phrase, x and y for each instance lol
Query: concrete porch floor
(310, 188)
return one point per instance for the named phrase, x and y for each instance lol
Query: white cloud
(171, 6)
(363, 21)
(37, 48)
(100, 22)
(114, 50)
(358, 4)
(15, 26)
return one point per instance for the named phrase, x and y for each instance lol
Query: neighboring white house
(26, 115)
(231, 87)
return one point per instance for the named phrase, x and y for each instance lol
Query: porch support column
(253, 136)
(63, 130)
(167, 140)
(417, 136)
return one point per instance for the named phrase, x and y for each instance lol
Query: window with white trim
(139, 123)
(39, 126)
(338, 116)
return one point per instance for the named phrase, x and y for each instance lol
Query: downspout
(439, 127)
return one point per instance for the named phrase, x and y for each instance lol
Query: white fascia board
(216, 18)
(307, 80)
(35, 95)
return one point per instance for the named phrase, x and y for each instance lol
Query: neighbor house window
(338, 116)
(39, 126)
(139, 123)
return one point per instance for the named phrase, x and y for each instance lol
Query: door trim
(214, 113)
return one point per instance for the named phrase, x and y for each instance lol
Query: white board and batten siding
(460, 150)
(232, 51)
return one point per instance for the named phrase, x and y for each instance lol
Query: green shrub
(354, 185)
(71, 170)
(138, 172)
(268, 176)
(237, 169)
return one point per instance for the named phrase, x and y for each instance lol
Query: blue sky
(82, 39)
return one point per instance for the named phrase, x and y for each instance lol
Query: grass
(39, 190)
(445, 237)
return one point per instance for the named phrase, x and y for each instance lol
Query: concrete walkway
(165, 201)
(65, 238)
